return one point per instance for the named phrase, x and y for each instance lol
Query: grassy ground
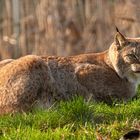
(74, 120)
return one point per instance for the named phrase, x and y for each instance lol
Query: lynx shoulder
(5, 62)
(42, 80)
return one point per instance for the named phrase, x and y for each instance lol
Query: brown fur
(5, 62)
(43, 80)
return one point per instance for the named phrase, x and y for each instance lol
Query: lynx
(43, 80)
(4, 62)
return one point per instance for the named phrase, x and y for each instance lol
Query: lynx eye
(130, 58)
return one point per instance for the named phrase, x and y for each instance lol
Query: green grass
(73, 120)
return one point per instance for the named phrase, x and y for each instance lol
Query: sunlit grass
(75, 119)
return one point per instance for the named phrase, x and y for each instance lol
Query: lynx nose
(135, 68)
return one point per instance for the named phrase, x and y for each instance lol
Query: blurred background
(64, 27)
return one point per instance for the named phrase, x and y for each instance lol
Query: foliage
(75, 119)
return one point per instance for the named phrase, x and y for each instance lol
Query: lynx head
(124, 54)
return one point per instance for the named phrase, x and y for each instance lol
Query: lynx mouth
(136, 72)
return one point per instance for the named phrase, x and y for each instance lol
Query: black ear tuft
(120, 39)
(117, 29)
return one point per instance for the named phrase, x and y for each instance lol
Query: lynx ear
(119, 40)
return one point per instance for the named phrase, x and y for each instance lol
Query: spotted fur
(43, 80)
